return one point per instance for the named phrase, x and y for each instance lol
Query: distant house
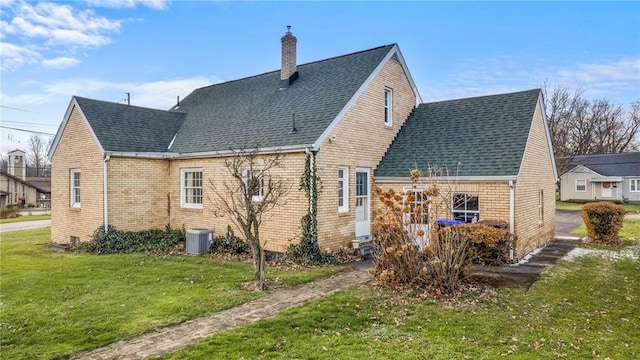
(16, 189)
(612, 177)
(137, 168)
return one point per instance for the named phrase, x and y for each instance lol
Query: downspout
(105, 197)
(512, 216)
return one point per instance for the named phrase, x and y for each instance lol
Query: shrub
(229, 244)
(9, 213)
(603, 221)
(116, 241)
(488, 245)
(447, 259)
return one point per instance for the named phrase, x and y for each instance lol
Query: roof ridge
(120, 104)
(481, 96)
(299, 65)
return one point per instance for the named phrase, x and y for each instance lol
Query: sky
(158, 50)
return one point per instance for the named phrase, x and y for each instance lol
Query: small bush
(229, 244)
(488, 245)
(603, 221)
(447, 259)
(116, 241)
(9, 213)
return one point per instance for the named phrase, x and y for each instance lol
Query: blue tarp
(447, 222)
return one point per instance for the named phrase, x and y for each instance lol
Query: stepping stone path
(174, 338)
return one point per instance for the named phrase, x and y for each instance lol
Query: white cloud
(156, 94)
(127, 4)
(14, 56)
(60, 62)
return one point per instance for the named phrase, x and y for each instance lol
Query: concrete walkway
(24, 225)
(174, 338)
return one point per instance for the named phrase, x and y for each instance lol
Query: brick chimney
(289, 70)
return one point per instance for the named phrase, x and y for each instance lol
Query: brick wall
(361, 139)
(536, 173)
(138, 192)
(77, 149)
(280, 226)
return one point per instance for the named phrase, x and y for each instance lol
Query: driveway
(24, 225)
(567, 221)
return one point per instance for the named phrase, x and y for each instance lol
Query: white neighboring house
(613, 177)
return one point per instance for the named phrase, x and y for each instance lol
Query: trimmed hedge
(603, 221)
(9, 213)
(487, 244)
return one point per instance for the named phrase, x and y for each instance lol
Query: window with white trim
(540, 206)
(191, 188)
(417, 221)
(253, 183)
(465, 207)
(388, 107)
(75, 187)
(633, 185)
(343, 189)
(581, 185)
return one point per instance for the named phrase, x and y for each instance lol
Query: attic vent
(395, 57)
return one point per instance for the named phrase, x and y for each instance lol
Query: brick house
(137, 168)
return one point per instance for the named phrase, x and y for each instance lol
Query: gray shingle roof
(624, 164)
(126, 128)
(487, 135)
(254, 112)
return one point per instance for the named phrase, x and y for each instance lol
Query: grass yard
(54, 304)
(585, 308)
(25, 218)
(630, 229)
(561, 205)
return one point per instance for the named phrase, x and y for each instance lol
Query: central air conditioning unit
(199, 241)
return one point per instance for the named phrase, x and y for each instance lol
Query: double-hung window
(581, 185)
(343, 189)
(388, 107)
(254, 183)
(633, 185)
(466, 207)
(191, 188)
(75, 188)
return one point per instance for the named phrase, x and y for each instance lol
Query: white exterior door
(607, 192)
(363, 214)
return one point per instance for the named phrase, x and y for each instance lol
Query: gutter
(207, 154)
(395, 179)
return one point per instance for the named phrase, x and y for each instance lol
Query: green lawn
(630, 229)
(25, 218)
(561, 205)
(585, 308)
(53, 304)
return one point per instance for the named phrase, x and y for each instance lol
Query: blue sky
(157, 50)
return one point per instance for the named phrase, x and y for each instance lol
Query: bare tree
(4, 163)
(37, 163)
(250, 190)
(581, 126)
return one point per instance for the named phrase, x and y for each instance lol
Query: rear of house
(497, 170)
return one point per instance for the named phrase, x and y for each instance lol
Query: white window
(633, 185)
(253, 183)
(343, 189)
(75, 188)
(581, 185)
(466, 207)
(191, 188)
(540, 206)
(388, 107)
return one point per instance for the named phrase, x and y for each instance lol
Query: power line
(12, 108)
(29, 131)
(25, 123)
